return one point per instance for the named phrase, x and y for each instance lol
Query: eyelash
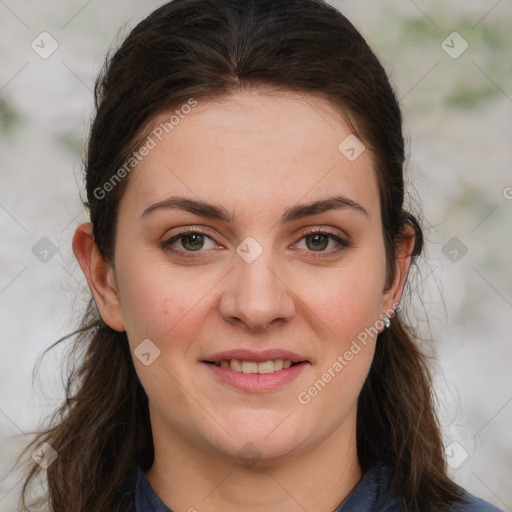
(342, 244)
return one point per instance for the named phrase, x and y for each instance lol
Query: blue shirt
(370, 495)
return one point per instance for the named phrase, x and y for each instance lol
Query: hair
(207, 49)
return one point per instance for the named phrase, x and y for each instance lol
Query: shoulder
(136, 495)
(373, 494)
(473, 504)
(125, 500)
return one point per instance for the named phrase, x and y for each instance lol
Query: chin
(257, 446)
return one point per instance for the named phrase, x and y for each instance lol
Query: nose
(256, 294)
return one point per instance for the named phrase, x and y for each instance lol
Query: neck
(192, 478)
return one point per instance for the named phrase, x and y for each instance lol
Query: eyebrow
(212, 211)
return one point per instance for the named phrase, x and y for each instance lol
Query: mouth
(256, 372)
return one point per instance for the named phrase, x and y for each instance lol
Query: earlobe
(100, 276)
(405, 245)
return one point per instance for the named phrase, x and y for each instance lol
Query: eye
(192, 241)
(189, 241)
(318, 241)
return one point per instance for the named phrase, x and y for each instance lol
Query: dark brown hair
(204, 49)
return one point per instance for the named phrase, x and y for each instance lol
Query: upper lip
(251, 355)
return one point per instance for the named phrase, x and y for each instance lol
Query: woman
(247, 254)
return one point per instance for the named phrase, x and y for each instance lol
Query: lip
(258, 357)
(256, 382)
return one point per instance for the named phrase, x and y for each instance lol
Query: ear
(405, 246)
(100, 277)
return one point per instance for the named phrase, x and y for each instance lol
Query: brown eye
(192, 242)
(318, 242)
(189, 241)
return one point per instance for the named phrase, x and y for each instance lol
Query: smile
(255, 377)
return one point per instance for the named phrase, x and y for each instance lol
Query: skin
(255, 154)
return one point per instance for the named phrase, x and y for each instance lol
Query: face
(246, 235)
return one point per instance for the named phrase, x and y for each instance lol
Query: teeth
(236, 365)
(249, 367)
(264, 367)
(274, 365)
(279, 364)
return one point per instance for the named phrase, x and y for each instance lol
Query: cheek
(347, 304)
(348, 299)
(347, 307)
(161, 302)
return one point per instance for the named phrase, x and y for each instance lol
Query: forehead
(256, 149)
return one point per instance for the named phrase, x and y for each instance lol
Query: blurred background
(450, 64)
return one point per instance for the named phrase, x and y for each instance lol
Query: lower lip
(257, 382)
